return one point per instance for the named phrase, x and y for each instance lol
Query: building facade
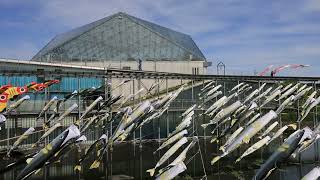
(126, 42)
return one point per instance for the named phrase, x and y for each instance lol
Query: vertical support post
(316, 117)
(159, 129)
(45, 171)
(298, 112)
(134, 133)
(78, 118)
(79, 101)
(259, 103)
(218, 143)
(8, 125)
(193, 128)
(203, 121)
(315, 123)
(280, 121)
(140, 128)
(109, 79)
(109, 150)
(167, 111)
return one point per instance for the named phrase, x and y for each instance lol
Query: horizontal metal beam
(30, 68)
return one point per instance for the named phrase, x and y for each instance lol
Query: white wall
(184, 67)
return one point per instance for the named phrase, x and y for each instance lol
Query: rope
(15, 137)
(202, 161)
(190, 159)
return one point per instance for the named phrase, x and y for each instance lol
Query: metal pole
(79, 115)
(79, 101)
(203, 121)
(107, 159)
(159, 129)
(259, 103)
(140, 130)
(111, 125)
(167, 111)
(134, 133)
(7, 123)
(45, 171)
(193, 128)
(315, 123)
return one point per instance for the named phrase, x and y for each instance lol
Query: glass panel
(122, 39)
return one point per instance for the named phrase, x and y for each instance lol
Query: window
(126, 67)
(195, 70)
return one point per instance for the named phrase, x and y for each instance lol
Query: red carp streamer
(280, 68)
(265, 70)
(9, 92)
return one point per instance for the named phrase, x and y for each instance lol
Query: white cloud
(242, 33)
(312, 6)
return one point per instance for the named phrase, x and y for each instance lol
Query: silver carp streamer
(285, 103)
(286, 88)
(309, 100)
(306, 111)
(92, 105)
(48, 105)
(302, 93)
(67, 112)
(247, 134)
(313, 174)
(168, 154)
(263, 94)
(85, 127)
(209, 98)
(47, 133)
(18, 103)
(236, 87)
(301, 88)
(172, 172)
(251, 95)
(254, 147)
(269, 129)
(276, 89)
(220, 102)
(23, 137)
(172, 140)
(213, 90)
(289, 91)
(226, 111)
(130, 96)
(271, 97)
(125, 133)
(207, 86)
(188, 110)
(2, 119)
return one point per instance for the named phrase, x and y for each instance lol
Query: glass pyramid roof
(181, 40)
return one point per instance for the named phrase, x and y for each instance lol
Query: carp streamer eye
(3, 98)
(21, 90)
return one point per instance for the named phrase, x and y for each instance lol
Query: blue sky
(246, 35)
